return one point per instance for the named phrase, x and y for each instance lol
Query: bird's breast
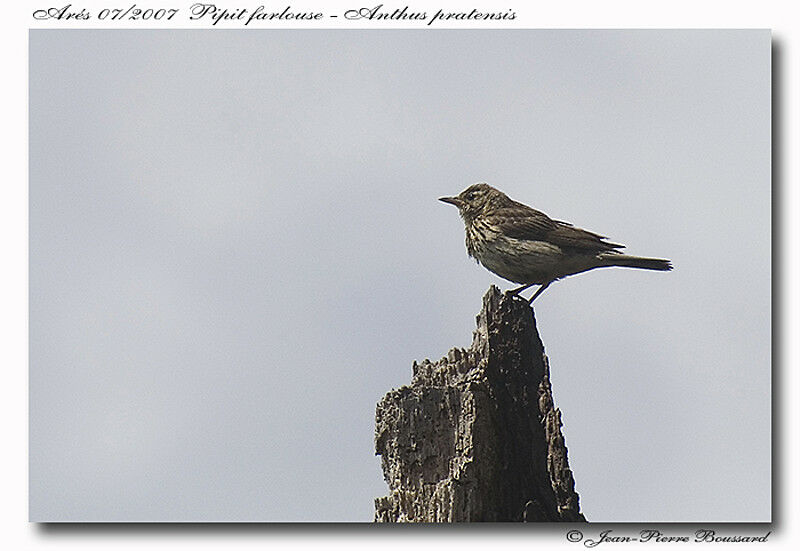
(520, 261)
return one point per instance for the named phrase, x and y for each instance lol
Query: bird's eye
(470, 196)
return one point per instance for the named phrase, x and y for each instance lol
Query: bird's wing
(523, 222)
(570, 237)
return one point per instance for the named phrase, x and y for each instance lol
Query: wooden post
(475, 436)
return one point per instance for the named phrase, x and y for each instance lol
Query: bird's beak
(452, 200)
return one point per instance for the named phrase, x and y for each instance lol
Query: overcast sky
(236, 250)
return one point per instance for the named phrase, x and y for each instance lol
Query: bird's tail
(617, 259)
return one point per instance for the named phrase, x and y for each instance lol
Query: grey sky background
(236, 250)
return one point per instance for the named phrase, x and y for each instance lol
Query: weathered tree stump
(476, 436)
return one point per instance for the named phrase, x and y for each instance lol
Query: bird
(525, 246)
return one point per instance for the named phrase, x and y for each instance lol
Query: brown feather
(523, 222)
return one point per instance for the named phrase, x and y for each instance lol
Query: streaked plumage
(524, 245)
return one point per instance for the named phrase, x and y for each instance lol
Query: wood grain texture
(476, 436)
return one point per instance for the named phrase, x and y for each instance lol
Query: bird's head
(477, 200)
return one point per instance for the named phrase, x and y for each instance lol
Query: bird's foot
(539, 291)
(518, 290)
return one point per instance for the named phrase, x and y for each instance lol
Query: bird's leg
(518, 290)
(539, 291)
